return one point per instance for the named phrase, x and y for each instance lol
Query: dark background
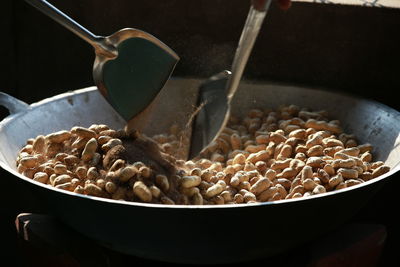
(343, 48)
(350, 48)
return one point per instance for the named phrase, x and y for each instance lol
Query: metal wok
(201, 234)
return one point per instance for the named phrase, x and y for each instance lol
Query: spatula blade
(213, 112)
(138, 73)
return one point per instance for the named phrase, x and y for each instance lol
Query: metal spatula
(131, 66)
(215, 94)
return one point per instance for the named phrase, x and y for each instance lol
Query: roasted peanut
(266, 156)
(351, 151)
(299, 189)
(227, 195)
(61, 179)
(270, 174)
(93, 190)
(29, 162)
(319, 189)
(281, 164)
(351, 182)
(288, 173)
(142, 191)
(377, 164)
(145, 171)
(285, 152)
(366, 176)
(261, 185)
(28, 149)
(332, 142)
(238, 198)
(81, 172)
(215, 189)
(71, 160)
(41, 177)
(277, 137)
(167, 200)
(323, 176)
(380, 170)
(323, 126)
(258, 156)
(110, 187)
(268, 193)
(249, 197)
(83, 132)
(197, 199)
(313, 140)
(328, 168)
(286, 183)
(239, 159)
(110, 144)
(315, 162)
(335, 180)
(80, 143)
(108, 132)
(53, 148)
(76, 182)
(38, 145)
(118, 164)
(348, 173)
(155, 191)
(366, 156)
(298, 133)
(58, 137)
(254, 148)
(89, 150)
(309, 184)
(190, 181)
(92, 173)
(65, 186)
(103, 139)
(365, 148)
(190, 191)
(315, 151)
(281, 190)
(79, 189)
(126, 173)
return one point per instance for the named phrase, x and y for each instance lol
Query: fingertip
(284, 4)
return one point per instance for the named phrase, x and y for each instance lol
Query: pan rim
(180, 206)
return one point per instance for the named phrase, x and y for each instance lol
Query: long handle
(98, 42)
(255, 18)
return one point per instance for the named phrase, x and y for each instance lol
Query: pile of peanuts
(266, 156)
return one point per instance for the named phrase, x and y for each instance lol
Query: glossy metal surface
(193, 234)
(131, 65)
(215, 103)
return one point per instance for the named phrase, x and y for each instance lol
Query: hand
(284, 4)
(262, 4)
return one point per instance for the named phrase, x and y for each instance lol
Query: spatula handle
(96, 41)
(255, 18)
(260, 5)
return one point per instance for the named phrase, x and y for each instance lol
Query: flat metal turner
(131, 66)
(216, 93)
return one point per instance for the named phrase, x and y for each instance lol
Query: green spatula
(131, 66)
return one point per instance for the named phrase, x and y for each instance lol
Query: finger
(284, 4)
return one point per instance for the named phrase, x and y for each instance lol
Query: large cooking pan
(201, 234)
